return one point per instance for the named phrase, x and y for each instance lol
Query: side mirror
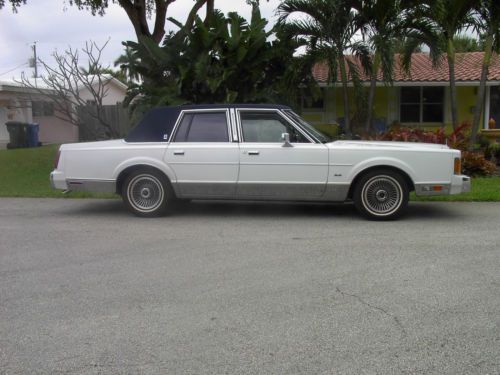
(285, 137)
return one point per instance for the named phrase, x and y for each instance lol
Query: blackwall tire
(147, 193)
(381, 195)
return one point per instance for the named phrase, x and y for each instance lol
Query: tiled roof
(467, 68)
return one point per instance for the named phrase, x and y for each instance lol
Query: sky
(55, 26)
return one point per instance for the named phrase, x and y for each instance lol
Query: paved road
(247, 289)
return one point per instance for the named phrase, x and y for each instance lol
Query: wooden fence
(115, 115)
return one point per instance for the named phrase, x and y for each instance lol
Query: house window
(39, 108)
(421, 104)
(313, 103)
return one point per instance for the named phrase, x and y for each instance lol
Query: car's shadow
(115, 208)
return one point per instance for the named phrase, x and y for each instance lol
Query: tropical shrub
(223, 61)
(473, 163)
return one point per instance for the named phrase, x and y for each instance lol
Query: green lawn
(25, 173)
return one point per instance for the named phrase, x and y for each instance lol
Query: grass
(25, 173)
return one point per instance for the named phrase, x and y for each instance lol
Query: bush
(492, 152)
(473, 163)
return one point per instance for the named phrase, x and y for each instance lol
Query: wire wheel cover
(145, 193)
(382, 195)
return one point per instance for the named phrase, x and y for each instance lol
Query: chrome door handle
(180, 152)
(253, 152)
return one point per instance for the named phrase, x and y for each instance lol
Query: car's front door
(269, 169)
(203, 156)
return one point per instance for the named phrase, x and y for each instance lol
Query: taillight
(56, 160)
(457, 166)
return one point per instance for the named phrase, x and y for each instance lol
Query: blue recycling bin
(32, 135)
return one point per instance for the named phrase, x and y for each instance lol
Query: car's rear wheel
(381, 195)
(147, 193)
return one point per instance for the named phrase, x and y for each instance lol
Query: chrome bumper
(58, 181)
(459, 184)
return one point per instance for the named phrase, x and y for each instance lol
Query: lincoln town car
(254, 152)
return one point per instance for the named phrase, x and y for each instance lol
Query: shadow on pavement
(416, 210)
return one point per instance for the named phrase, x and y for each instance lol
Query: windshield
(311, 130)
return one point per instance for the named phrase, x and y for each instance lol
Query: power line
(11, 70)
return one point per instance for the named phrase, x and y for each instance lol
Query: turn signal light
(457, 166)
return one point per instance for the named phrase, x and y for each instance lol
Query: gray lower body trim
(280, 190)
(205, 189)
(336, 192)
(94, 186)
(262, 191)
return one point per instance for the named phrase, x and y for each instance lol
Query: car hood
(387, 145)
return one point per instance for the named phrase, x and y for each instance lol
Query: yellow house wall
(386, 105)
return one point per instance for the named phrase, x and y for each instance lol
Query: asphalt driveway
(248, 288)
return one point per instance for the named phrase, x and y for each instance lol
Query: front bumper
(58, 181)
(459, 184)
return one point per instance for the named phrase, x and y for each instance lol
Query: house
(420, 98)
(18, 103)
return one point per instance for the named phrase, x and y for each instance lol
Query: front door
(270, 170)
(203, 156)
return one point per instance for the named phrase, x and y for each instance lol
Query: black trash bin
(18, 134)
(32, 135)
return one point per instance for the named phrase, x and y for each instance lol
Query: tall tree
(436, 23)
(488, 23)
(329, 27)
(227, 60)
(138, 12)
(382, 19)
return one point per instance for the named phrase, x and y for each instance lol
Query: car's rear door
(270, 170)
(203, 155)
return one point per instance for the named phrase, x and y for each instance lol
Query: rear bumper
(58, 181)
(459, 184)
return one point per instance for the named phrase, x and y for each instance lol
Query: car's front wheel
(147, 193)
(381, 195)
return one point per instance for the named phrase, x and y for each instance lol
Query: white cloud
(55, 27)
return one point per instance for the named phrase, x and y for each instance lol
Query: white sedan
(254, 152)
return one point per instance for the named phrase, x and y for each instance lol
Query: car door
(270, 169)
(203, 156)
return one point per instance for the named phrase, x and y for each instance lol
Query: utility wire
(11, 70)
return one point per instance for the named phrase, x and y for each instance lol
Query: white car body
(251, 170)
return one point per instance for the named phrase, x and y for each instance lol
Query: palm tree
(488, 23)
(435, 23)
(128, 63)
(383, 26)
(328, 28)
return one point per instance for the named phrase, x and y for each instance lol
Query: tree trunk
(210, 11)
(371, 94)
(481, 91)
(453, 88)
(136, 12)
(343, 76)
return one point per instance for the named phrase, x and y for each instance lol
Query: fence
(115, 115)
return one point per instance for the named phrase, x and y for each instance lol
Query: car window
(203, 127)
(267, 127)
